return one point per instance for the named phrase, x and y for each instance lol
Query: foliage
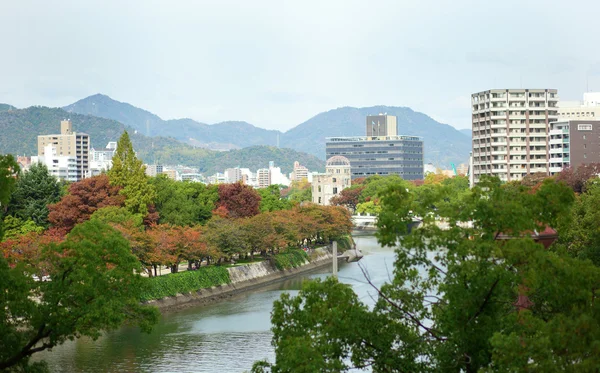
(183, 203)
(375, 185)
(348, 197)
(433, 178)
(298, 192)
(15, 227)
(9, 168)
(129, 173)
(185, 282)
(93, 287)
(270, 199)
(116, 215)
(481, 295)
(368, 208)
(84, 197)
(238, 200)
(34, 191)
(290, 259)
(225, 236)
(577, 177)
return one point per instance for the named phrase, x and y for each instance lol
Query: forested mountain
(6, 107)
(19, 129)
(443, 143)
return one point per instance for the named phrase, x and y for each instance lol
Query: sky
(278, 63)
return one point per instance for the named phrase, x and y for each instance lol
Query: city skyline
(278, 64)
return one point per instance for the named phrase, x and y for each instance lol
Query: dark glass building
(380, 155)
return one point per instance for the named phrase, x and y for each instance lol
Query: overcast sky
(277, 63)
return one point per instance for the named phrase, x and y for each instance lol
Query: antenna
(278, 140)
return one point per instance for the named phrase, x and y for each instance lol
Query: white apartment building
(233, 175)
(262, 177)
(299, 173)
(63, 167)
(154, 169)
(510, 131)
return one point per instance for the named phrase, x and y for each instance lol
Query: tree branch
(485, 301)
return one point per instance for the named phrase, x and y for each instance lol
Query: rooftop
(375, 138)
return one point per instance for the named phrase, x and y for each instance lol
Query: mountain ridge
(443, 143)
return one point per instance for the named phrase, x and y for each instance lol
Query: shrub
(185, 282)
(290, 259)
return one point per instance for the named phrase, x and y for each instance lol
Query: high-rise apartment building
(510, 131)
(69, 144)
(299, 173)
(573, 143)
(381, 125)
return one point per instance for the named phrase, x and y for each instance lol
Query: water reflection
(223, 337)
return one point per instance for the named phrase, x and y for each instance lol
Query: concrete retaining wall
(243, 278)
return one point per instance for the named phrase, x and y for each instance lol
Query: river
(224, 337)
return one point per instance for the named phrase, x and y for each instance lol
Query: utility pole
(335, 262)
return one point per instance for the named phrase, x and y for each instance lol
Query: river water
(224, 337)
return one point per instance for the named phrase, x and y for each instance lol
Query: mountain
(466, 131)
(19, 129)
(6, 107)
(223, 136)
(443, 143)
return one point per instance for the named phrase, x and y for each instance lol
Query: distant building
(233, 175)
(101, 159)
(299, 173)
(381, 125)
(63, 167)
(192, 177)
(573, 143)
(336, 178)
(171, 174)
(510, 132)
(154, 169)
(589, 108)
(67, 144)
(276, 177)
(429, 168)
(218, 178)
(262, 178)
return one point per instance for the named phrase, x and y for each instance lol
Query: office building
(573, 143)
(336, 178)
(68, 144)
(380, 155)
(510, 132)
(381, 125)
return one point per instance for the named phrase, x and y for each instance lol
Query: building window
(334, 190)
(319, 200)
(319, 192)
(584, 127)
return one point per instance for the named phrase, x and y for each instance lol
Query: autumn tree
(34, 191)
(238, 200)
(84, 197)
(576, 177)
(94, 286)
(129, 173)
(434, 178)
(225, 236)
(482, 295)
(348, 197)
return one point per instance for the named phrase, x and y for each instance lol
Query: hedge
(290, 259)
(185, 282)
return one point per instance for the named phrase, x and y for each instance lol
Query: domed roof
(337, 160)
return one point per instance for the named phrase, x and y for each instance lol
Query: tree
(15, 227)
(577, 177)
(129, 173)
(270, 199)
(433, 178)
(375, 185)
(183, 203)
(84, 198)
(238, 200)
(481, 295)
(298, 192)
(225, 237)
(9, 169)
(94, 286)
(34, 191)
(348, 197)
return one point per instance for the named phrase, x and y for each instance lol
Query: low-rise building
(154, 169)
(336, 178)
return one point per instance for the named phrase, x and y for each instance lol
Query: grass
(185, 282)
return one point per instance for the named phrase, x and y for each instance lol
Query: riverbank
(242, 279)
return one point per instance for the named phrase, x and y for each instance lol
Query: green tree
(9, 169)
(479, 295)
(375, 185)
(271, 199)
(94, 286)
(129, 173)
(15, 227)
(34, 191)
(183, 203)
(299, 191)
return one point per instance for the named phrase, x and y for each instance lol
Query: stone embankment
(243, 278)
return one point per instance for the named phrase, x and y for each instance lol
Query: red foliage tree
(84, 197)
(577, 177)
(239, 200)
(348, 198)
